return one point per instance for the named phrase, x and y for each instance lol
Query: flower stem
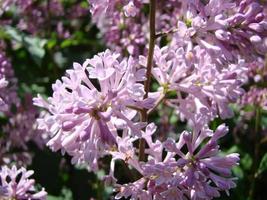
(171, 31)
(152, 39)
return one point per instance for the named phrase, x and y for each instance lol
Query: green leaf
(13, 33)
(174, 119)
(3, 34)
(233, 149)
(66, 43)
(246, 161)
(34, 45)
(51, 43)
(263, 165)
(238, 171)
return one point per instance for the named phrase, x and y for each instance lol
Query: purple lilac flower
(44, 16)
(130, 10)
(167, 15)
(22, 128)
(103, 8)
(18, 132)
(98, 7)
(203, 89)
(226, 29)
(40, 16)
(124, 25)
(3, 84)
(16, 184)
(134, 190)
(192, 167)
(9, 156)
(255, 96)
(257, 71)
(4, 6)
(202, 165)
(91, 103)
(8, 84)
(119, 27)
(9, 99)
(125, 151)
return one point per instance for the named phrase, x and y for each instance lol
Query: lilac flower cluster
(226, 29)
(124, 25)
(202, 88)
(91, 103)
(8, 84)
(3, 84)
(21, 127)
(16, 184)
(40, 17)
(120, 22)
(18, 132)
(96, 100)
(255, 96)
(196, 174)
(101, 108)
(108, 7)
(257, 71)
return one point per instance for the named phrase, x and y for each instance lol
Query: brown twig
(160, 99)
(171, 31)
(152, 39)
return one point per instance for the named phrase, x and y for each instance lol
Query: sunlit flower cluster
(197, 57)
(16, 184)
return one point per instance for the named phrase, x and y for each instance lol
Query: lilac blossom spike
(226, 29)
(22, 127)
(203, 89)
(18, 132)
(197, 171)
(255, 96)
(91, 103)
(3, 84)
(8, 84)
(36, 17)
(16, 184)
(93, 111)
(119, 27)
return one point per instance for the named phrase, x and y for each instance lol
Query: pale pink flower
(16, 184)
(91, 103)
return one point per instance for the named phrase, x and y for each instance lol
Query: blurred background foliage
(41, 57)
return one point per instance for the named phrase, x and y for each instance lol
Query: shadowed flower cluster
(42, 17)
(8, 84)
